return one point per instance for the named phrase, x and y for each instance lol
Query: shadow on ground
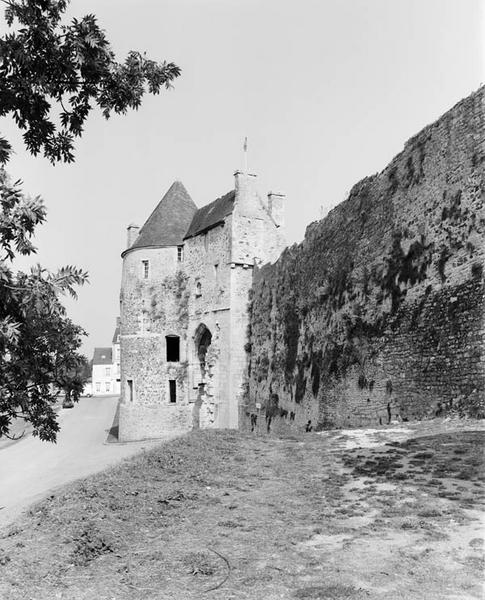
(113, 431)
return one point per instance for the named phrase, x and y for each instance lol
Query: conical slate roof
(168, 223)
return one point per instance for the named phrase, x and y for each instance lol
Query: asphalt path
(31, 469)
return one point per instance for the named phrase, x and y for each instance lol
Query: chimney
(276, 207)
(133, 231)
(247, 200)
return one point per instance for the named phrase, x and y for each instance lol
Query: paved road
(30, 469)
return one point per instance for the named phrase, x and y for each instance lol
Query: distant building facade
(116, 358)
(106, 367)
(184, 297)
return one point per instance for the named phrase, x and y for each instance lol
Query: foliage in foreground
(47, 66)
(38, 343)
(51, 76)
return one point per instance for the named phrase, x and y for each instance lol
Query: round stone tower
(153, 332)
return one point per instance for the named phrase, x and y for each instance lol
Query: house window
(108, 372)
(129, 383)
(98, 386)
(173, 348)
(180, 253)
(107, 386)
(172, 386)
(145, 268)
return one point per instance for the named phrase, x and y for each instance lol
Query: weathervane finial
(245, 148)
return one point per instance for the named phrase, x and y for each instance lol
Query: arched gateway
(202, 341)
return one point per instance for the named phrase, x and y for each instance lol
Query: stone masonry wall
(207, 264)
(152, 308)
(380, 310)
(241, 282)
(257, 238)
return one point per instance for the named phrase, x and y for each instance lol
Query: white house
(115, 353)
(106, 367)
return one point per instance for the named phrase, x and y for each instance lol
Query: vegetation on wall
(182, 295)
(403, 270)
(171, 286)
(182, 370)
(291, 332)
(477, 270)
(53, 73)
(341, 300)
(330, 305)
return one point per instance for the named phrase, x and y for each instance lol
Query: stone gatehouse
(184, 296)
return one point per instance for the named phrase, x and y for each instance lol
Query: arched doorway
(202, 341)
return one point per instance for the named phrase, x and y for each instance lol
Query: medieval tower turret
(184, 296)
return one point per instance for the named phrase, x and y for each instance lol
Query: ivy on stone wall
(291, 334)
(371, 270)
(182, 295)
(403, 270)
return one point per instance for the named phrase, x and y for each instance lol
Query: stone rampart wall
(380, 310)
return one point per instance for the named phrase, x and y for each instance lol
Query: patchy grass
(228, 515)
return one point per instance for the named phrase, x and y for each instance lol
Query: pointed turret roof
(168, 223)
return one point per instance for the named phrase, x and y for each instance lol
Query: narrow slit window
(180, 253)
(130, 389)
(172, 385)
(145, 268)
(173, 348)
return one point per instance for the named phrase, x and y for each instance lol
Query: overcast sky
(327, 91)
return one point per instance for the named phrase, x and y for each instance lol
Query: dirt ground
(393, 513)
